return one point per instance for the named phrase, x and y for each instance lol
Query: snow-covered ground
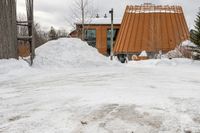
(93, 95)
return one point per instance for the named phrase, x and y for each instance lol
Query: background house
(98, 33)
(151, 28)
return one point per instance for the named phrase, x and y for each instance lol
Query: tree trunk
(83, 20)
(8, 29)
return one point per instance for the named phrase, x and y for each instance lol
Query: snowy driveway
(123, 99)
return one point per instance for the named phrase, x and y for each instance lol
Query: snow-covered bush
(184, 50)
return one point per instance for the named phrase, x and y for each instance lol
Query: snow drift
(184, 50)
(165, 62)
(69, 52)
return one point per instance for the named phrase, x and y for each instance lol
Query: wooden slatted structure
(30, 38)
(8, 29)
(151, 28)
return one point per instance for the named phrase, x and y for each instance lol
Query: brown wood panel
(98, 37)
(175, 27)
(186, 33)
(164, 32)
(121, 31)
(143, 31)
(185, 25)
(158, 40)
(133, 34)
(104, 39)
(171, 31)
(137, 18)
(129, 33)
(179, 27)
(161, 32)
(142, 21)
(126, 28)
(150, 45)
(151, 31)
(146, 35)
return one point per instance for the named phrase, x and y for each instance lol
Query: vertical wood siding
(151, 28)
(8, 29)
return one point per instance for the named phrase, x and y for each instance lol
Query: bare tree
(81, 12)
(40, 35)
(62, 33)
(52, 34)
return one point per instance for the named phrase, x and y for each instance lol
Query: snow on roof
(98, 21)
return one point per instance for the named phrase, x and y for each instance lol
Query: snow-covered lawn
(95, 96)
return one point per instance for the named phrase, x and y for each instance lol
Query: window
(90, 37)
(115, 32)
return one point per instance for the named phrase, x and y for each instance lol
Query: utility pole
(112, 32)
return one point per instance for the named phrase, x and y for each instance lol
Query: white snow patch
(142, 97)
(69, 53)
(165, 62)
(188, 43)
(143, 54)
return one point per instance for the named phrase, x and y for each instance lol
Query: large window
(90, 37)
(115, 32)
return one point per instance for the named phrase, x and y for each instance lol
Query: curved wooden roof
(151, 28)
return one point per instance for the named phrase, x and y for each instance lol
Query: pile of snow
(176, 53)
(188, 43)
(183, 50)
(143, 54)
(69, 53)
(178, 62)
(12, 65)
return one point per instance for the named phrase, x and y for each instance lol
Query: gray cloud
(54, 12)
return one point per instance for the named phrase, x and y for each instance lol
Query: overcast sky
(55, 12)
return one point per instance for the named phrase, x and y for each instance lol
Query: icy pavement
(124, 99)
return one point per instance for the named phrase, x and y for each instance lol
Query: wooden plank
(25, 38)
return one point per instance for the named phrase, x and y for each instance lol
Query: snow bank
(69, 53)
(11, 65)
(11, 69)
(143, 54)
(188, 43)
(181, 51)
(176, 62)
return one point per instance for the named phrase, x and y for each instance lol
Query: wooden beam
(24, 38)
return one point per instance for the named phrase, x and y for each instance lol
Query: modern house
(152, 29)
(146, 27)
(98, 33)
